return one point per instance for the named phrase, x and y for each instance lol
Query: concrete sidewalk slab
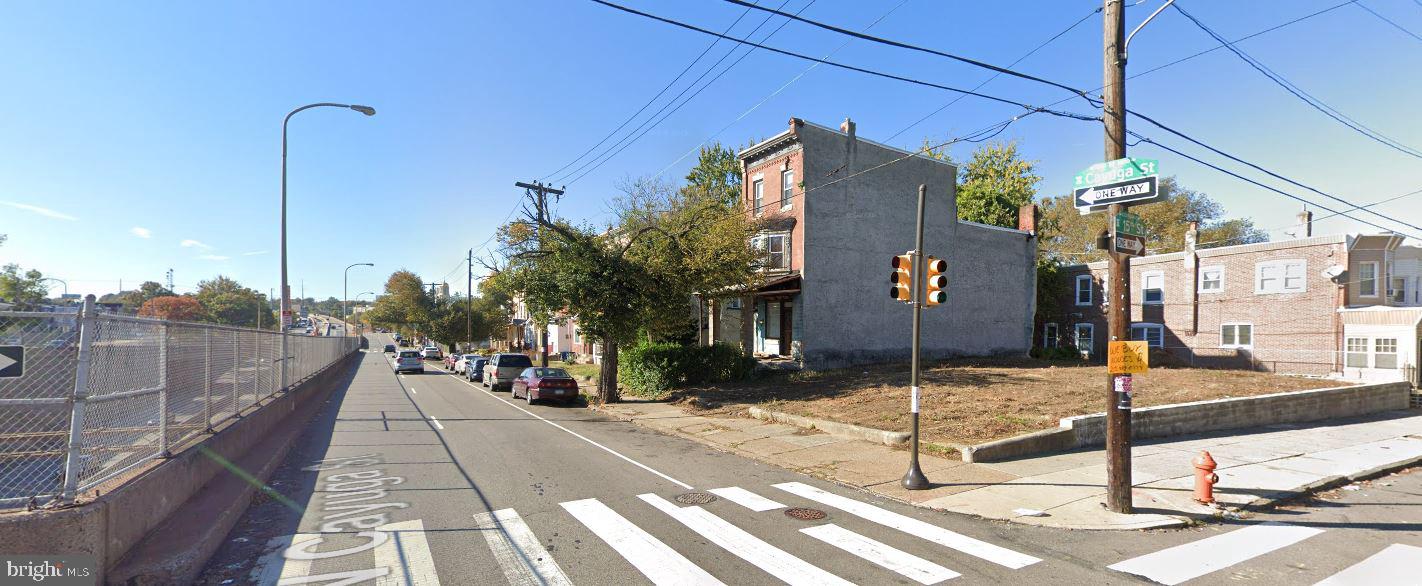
(1256, 467)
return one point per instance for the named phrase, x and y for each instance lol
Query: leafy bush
(651, 369)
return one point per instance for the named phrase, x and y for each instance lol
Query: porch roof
(1382, 316)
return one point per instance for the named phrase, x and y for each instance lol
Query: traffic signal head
(937, 281)
(902, 278)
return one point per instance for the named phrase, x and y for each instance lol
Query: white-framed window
(1083, 289)
(1236, 335)
(787, 188)
(1397, 289)
(1212, 279)
(1153, 287)
(777, 249)
(1355, 353)
(1280, 276)
(1050, 337)
(1367, 279)
(1384, 352)
(1084, 334)
(1152, 334)
(758, 194)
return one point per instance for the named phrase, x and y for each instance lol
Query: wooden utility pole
(540, 193)
(1118, 420)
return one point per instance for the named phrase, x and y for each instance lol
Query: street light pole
(285, 294)
(345, 279)
(61, 282)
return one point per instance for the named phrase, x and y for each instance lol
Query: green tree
(717, 173)
(1067, 235)
(405, 304)
(225, 301)
(133, 300)
(24, 289)
(994, 184)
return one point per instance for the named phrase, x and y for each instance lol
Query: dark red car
(538, 384)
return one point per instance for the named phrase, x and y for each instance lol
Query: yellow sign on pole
(1127, 357)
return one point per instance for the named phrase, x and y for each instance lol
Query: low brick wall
(109, 526)
(1203, 416)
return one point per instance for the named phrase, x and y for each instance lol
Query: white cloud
(190, 243)
(256, 252)
(46, 212)
(141, 232)
(214, 257)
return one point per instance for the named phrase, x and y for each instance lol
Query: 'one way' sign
(12, 361)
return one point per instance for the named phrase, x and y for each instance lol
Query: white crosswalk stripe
(656, 561)
(951, 539)
(906, 564)
(407, 554)
(1191, 560)
(517, 550)
(771, 559)
(1395, 564)
(275, 566)
(746, 499)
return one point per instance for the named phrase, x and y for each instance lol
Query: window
(1050, 339)
(772, 320)
(1237, 336)
(787, 188)
(1280, 276)
(1084, 338)
(1153, 334)
(776, 248)
(1211, 279)
(1385, 353)
(758, 194)
(1153, 286)
(1397, 290)
(1355, 353)
(1083, 289)
(1368, 279)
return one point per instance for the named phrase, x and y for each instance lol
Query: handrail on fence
(101, 394)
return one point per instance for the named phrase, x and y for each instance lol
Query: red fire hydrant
(1205, 477)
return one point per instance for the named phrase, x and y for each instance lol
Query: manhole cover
(695, 498)
(805, 514)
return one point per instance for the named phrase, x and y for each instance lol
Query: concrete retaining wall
(109, 526)
(1203, 416)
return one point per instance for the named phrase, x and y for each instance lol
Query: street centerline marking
(581, 437)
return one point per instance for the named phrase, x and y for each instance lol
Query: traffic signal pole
(1118, 419)
(914, 479)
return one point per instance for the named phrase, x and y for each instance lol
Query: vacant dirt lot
(972, 401)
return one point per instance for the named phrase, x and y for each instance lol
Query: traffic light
(937, 281)
(902, 278)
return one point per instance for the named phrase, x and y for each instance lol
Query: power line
(653, 99)
(639, 132)
(1299, 93)
(780, 89)
(1024, 56)
(1388, 20)
(842, 65)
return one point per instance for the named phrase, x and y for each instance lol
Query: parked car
(432, 353)
(503, 368)
(390, 349)
(461, 362)
(537, 384)
(409, 361)
(474, 371)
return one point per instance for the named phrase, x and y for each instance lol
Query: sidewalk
(1255, 466)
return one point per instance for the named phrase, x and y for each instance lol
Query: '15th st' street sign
(1119, 181)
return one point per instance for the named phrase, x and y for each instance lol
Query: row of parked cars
(503, 370)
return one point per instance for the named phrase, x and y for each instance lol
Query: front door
(787, 308)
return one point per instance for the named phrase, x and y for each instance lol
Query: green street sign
(1129, 223)
(1116, 171)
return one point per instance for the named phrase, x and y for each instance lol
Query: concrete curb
(844, 430)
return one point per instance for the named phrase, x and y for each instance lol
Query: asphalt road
(453, 484)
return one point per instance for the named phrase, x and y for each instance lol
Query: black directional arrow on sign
(12, 361)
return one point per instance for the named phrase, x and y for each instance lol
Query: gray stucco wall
(853, 228)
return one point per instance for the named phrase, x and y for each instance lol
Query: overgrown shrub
(651, 369)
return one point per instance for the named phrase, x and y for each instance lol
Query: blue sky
(138, 139)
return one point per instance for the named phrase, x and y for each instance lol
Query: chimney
(1192, 272)
(851, 146)
(1305, 219)
(1027, 218)
(1192, 237)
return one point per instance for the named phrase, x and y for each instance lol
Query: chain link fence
(92, 396)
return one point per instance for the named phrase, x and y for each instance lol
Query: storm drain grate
(695, 498)
(804, 514)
